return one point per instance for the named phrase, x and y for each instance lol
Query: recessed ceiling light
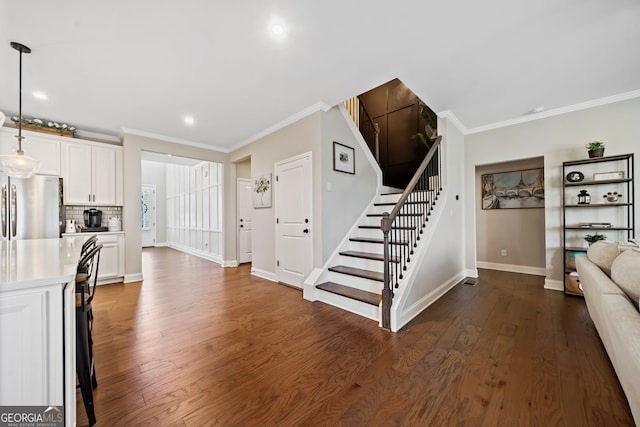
(40, 95)
(277, 29)
(189, 120)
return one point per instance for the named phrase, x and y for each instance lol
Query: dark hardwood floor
(196, 344)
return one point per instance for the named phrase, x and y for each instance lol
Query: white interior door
(148, 214)
(245, 212)
(294, 242)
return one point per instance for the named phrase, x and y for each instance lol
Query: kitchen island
(37, 323)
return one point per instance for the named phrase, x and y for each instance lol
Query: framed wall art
(513, 190)
(343, 158)
(262, 191)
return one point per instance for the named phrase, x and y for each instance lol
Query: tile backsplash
(76, 213)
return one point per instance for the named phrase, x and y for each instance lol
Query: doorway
(148, 215)
(294, 224)
(245, 223)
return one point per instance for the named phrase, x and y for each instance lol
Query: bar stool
(87, 272)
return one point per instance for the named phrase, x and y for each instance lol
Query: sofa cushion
(602, 254)
(623, 346)
(625, 272)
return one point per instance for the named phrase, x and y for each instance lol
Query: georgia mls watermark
(31, 416)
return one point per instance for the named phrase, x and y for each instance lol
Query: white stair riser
(365, 264)
(355, 282)
(357, 307)
(370, 233)
(375, 248)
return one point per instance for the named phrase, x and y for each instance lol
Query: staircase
(370, 264)
(358, 273)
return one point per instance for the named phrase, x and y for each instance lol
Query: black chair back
(88, 272)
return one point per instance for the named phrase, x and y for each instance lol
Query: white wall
(349, 194)
(194, 209)
(558, 138)
(297, 138)
(154, 173)
(441, 265)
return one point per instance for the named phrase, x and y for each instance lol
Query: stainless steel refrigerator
(30, 208)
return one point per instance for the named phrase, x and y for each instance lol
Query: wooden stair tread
(374, 240)
(393, 228)
(402, 214)
(358, 272)
(367, 255)
(349, 292)
(394, 203)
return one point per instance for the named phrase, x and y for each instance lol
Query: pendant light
(18, 165)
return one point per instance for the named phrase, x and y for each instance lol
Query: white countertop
(32, 263)
(91, 233)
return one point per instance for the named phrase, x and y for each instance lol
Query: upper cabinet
(38, 146)
(92, 174)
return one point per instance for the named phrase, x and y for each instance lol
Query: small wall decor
(513, 190)
(262, 191)
(612, 197)
(343, 158)
(575, 176)
(606, 176)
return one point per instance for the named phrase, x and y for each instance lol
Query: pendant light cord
(20, 108)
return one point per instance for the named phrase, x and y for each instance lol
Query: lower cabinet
(111, 267)
(111, 256)
(31, 341)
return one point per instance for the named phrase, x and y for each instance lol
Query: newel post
(387, 292)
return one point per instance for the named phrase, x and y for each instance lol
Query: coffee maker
(93, 220)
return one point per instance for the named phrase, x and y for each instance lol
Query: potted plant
(430, 129)
(596, 149)
(592, 238)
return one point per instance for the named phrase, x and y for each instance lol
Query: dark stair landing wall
(397, 111)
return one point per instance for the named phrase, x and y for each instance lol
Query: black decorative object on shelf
(575, 176)
(584, 198)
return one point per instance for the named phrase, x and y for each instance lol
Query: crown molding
(557, 111)
(318, 106)
(129, 131)
(448, 114)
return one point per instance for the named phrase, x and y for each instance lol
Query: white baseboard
(230, 263)
(524, 269)
(197, 253)
(137, 277)
(398, 320)
(161, 245)
(264, 274)
(554, 285)
(471, 272)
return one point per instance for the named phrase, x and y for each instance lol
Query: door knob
(305, 231)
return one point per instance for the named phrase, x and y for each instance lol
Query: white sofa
(610, 280)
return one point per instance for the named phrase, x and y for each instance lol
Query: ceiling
(142, 65)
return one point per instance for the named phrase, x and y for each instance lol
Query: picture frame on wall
(343, 158)
(261, 194)
(513, 190)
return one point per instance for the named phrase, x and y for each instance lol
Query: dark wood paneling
(401, 125)
(396, 110)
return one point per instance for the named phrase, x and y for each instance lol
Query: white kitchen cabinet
(31, 347)
(111, 257)
(92, 174)
(111, 267)
(36, 145)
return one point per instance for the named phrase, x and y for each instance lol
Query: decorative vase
(596, 153)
